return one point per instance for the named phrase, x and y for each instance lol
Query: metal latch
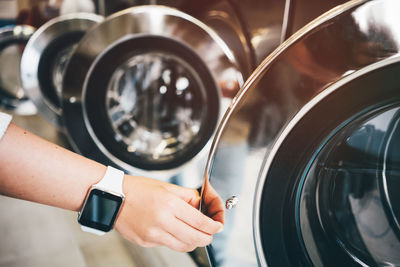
(231, 202)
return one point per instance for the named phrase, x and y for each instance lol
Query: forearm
(154, 213)
(36, 170)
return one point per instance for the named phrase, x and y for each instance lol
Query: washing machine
(223, 42)
(45, 57)
(320, 185)
(32, 89)
(243, 35)
(145, 89)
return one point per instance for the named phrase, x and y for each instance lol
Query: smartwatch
(103, 203)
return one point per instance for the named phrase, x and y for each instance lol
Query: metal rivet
(231, 202)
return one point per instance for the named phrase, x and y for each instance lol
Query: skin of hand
(212, 204)
(154, 213)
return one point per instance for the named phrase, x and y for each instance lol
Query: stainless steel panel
(225, 19)
(251, 29)
(301, 12)
(262, 21)
(344, 43)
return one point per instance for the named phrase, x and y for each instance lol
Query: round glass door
(350, 197)
(161, 105)
(334, 182)
(155, 104)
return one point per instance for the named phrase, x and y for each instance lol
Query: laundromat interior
(280, 116)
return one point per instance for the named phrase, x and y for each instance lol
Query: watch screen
(100, 210)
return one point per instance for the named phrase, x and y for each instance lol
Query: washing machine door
(320, 186)
(144, 90)
(45, 57)
(13, 39)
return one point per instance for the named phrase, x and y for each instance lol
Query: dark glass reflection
(52, 64)
(99, 209)
(350, 196)
(58, 67)
(156, 104)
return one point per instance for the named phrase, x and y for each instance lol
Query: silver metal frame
(31, 57)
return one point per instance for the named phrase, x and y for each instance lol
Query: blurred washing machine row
(145, 88)
(18, 22)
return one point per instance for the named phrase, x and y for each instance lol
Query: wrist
(96, 174)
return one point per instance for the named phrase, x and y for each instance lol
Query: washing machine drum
(323, 188)
(142, 90)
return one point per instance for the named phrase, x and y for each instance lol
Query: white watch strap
(112, 181)
(5, 120)
(92, 230)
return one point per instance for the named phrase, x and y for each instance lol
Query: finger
(174, 243)
(216, 211)
(214, 207)
(189, 195)
(187, 234)
(196, 219)
(164, 238)
(169, 240)
(128, 234)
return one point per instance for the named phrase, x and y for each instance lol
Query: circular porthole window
(351, 192)
(340, 195)
(160, 102)
(148, 97)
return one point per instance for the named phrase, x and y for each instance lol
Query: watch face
(100, 210)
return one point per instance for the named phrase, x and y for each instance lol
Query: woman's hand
(155, 213)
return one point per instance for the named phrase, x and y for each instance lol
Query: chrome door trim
(285, 21)
(39, 42)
